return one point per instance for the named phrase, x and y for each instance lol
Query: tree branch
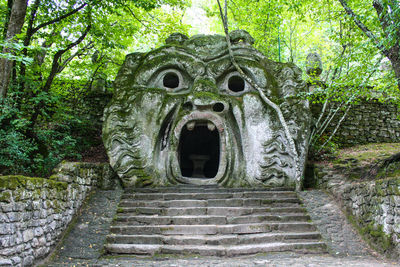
(34, 30)
(77, 53)
(364, 28)
(32, 18)
(224, 18)
(56, 65)
(136, 18)
(382, 15)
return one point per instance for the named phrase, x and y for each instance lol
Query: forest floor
(364, 162)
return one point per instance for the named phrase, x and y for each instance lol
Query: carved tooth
(211, 126)
(190, 125)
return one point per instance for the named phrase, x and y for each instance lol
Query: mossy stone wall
(368, 121)
(34, 212)
(373, 206)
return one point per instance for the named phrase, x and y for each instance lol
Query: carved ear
(126, 72)
(237, 36)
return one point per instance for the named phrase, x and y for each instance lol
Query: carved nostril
(187, 106)
(218, 107)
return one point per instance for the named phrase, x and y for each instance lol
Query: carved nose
(205, 85)
(219, 107)
(216, 106)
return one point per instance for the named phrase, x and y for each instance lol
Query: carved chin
(199, 156)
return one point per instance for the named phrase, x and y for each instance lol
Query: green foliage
(65, 136)
(66, 50)
(328, 151)
(41, 122)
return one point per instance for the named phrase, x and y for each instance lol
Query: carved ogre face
(183, 114)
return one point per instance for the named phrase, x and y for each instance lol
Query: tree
(14, 21)
(51, 67)
(388, 19)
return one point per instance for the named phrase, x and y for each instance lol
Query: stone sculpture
(313, 65)
(182, 114)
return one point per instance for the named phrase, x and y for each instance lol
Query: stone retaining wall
(367, 122)
(34, 212)
(374, 206)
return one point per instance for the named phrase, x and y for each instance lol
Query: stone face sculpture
(182, 114)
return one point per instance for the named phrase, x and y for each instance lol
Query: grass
(355, 162)
(370, 153)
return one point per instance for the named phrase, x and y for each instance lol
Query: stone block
(14, 216)
(6, 262)
(20, 248)
(8, 251)
(35, 242)
(7, 229)
(42, 241)
(6, 207)
(38, 231)
(16, 260)
(53, 225)
(4, 241)
(3, 218)
(28, 235)
(28, 261)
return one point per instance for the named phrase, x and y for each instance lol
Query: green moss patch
(13, 182)
(367, 154)
(356, 162)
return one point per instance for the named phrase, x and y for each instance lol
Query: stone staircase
(211, 221)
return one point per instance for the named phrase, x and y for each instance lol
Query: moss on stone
(378, 236)
(5, 196)
(374, 235)
(13, 182)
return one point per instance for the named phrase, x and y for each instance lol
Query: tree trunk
(14, 26)
(394, 58)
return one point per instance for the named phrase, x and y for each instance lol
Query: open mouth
(199, 150)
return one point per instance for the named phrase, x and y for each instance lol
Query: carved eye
(234, 84)
(172, 80)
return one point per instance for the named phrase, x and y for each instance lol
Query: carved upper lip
(199, 116)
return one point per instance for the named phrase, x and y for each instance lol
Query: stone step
(213, 229)
(222, 211)
(208, 195)
(232, 202)
(208, 219)
(203, 189)
(230, 239)
(210, 250)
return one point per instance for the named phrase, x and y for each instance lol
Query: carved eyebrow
(154, 63)
(219, 66)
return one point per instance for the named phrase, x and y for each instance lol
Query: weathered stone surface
(367, 121)
(35, 211)
(313, 65)
(182, 114)
(372, 205)
(77, 250)
(219, 231)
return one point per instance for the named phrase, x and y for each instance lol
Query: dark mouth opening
(199, 150)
